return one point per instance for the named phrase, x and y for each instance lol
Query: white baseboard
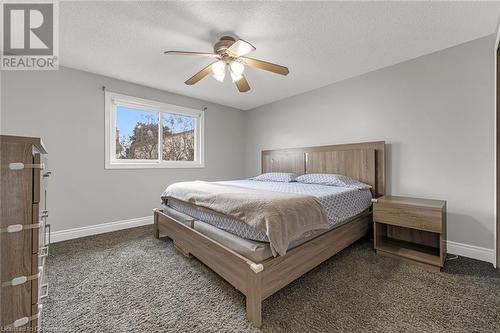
(59, 236)
(464, 250)
(471, 251)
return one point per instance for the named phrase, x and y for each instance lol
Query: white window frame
(112, 100)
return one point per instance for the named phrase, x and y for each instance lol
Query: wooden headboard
(362, 161)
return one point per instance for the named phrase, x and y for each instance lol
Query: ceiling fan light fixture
(219, 68)
(237, 68)
(230, 56)
(235, 77)
(240, 48)
(220, 77)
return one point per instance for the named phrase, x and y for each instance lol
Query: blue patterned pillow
(284, 177)
(331, 180)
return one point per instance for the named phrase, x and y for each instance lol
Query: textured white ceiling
(321, 42)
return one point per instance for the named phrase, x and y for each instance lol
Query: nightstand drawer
(408, 216)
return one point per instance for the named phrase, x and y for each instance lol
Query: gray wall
(435, 112)
(66, 109)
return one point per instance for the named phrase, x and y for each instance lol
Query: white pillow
(285, 177)
(331, 180)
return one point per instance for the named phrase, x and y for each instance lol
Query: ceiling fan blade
(240, 48)
(199, 54)
(267, 66)
(200, 75)
(242, 84)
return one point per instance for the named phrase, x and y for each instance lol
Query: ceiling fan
(229, 54)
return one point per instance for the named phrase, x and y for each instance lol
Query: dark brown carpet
(128, 281)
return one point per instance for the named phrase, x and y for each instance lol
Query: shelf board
(417, 252)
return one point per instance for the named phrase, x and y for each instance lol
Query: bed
(242, 255)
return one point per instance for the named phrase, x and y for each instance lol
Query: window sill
(152, 166)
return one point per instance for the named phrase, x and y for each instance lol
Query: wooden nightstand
(411, 229)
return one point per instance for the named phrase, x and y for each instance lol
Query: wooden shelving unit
(411, 229)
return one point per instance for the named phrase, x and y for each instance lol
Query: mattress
(253, 250)
(339, 203)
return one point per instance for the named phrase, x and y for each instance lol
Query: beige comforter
(284, 217)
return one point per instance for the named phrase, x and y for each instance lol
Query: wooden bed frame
(257, 281)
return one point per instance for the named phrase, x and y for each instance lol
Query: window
(149, 134)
